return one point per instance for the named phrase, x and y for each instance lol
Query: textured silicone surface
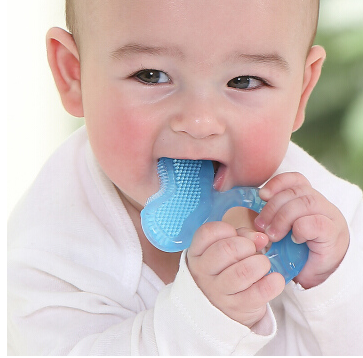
(187, 199)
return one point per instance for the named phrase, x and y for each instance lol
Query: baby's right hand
(225, 266)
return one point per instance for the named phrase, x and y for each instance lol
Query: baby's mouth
(216, 166)
(219, 174)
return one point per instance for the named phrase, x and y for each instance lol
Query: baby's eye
(246, 82)
(152, 77)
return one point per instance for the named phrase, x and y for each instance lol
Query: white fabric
(77, 283)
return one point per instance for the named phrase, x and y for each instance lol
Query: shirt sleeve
(201, 327)
(59, 307)
(326, 319)
(334, 309)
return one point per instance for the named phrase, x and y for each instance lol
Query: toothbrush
(187, 199)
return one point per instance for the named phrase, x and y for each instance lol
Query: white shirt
(77, 283)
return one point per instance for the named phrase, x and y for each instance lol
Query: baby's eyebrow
(131, 49)
(268, 59)
(136, 49)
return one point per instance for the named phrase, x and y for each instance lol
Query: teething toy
(187, 199)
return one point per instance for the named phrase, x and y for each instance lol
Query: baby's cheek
(259, 160)
(134, 137)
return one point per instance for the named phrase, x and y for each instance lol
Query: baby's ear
(64, 62)
(313, 66)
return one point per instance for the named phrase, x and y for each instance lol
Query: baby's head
(204, 79)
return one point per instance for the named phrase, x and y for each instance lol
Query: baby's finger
(276, 202)
(282, 182)
(265, 290)
(312, 203)
(242, 275)
(254, 299)
(319, 228)
(225, 253)
(208, 234)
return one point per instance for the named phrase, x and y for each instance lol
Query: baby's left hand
(293, 203)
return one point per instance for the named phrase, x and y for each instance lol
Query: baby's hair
(70, 16)
(73, 23)
(315, 20)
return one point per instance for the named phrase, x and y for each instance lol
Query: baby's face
(201, 79)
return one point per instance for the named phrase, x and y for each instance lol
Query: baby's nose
(199, 119)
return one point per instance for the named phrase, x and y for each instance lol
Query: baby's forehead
(81, 15)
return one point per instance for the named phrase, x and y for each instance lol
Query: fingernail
(294, 240)
(270, 233)
(264, 192)
(261, 235)
(260, 223)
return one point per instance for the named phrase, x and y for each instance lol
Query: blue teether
(187, 199)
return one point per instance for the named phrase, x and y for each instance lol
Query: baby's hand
(225, 266)
(293, 203)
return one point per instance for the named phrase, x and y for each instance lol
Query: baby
(226, 81)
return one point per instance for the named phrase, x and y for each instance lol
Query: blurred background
(333, 129)
(37, 123)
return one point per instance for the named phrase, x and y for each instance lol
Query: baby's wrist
(266, 325)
